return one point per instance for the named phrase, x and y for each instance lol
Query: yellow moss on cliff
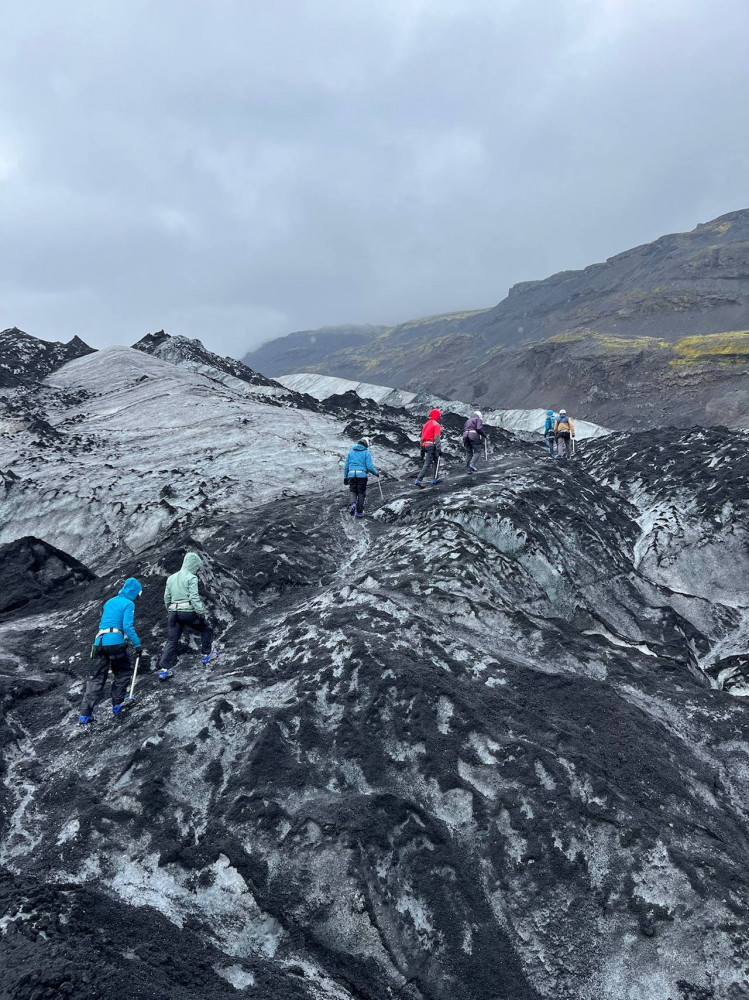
(724, 348)
(730, 348)
(609, 342)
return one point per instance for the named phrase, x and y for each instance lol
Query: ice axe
(135, 675)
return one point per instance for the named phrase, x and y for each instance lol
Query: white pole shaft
(135, 674)
(486, 451)
(382, 495)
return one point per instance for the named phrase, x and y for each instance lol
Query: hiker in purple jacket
(473, 432)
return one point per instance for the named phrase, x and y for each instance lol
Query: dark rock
(31, 569)
(24, 359)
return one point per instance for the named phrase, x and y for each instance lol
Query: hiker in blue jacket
(359, 465)
(549, 431)
(116, 628)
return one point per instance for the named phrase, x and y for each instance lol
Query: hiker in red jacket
(431, 446)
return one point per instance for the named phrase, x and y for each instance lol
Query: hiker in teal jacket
(359, 464)
(186, 611)
(549, 431)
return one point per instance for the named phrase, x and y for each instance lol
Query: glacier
(491, 740)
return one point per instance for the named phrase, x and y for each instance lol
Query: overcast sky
(237, 169)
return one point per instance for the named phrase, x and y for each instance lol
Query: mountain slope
(109, 464)
(624, 327)
(491, 741)
(455, 754)
(296, 351)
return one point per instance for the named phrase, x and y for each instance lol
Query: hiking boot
(86, 720)
(123, 706)
(352, 509)
(360, 513)
(417, 482)
(435, 481)
(165, 674)
(472, 468)
(208, 657)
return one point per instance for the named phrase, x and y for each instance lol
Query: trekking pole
(486, 451)
(135, 674)
(437, 470)
(573, 446)
(382, 495)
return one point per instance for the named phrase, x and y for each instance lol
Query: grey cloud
(237, 170)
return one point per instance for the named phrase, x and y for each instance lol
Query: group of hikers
(360, 465)
(181, 595)
(559, 435)
(186, 612)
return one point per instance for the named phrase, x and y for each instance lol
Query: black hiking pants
(473, 450)
(357, 491)
(430, 459)
(179, 621)
(116, 657)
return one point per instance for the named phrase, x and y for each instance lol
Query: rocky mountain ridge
(491, 740)
(193, 355)
(658, 334)
(25, 360)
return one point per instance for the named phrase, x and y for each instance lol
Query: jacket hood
(479, 414)
(192, 562)
(130, 589)
(435, 414)
(359, 447)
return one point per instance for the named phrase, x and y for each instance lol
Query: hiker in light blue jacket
(358, 467)
(116, 629)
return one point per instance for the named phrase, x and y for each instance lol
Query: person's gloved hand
(345, 482)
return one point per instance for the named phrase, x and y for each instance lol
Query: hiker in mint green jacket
(186, 611)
